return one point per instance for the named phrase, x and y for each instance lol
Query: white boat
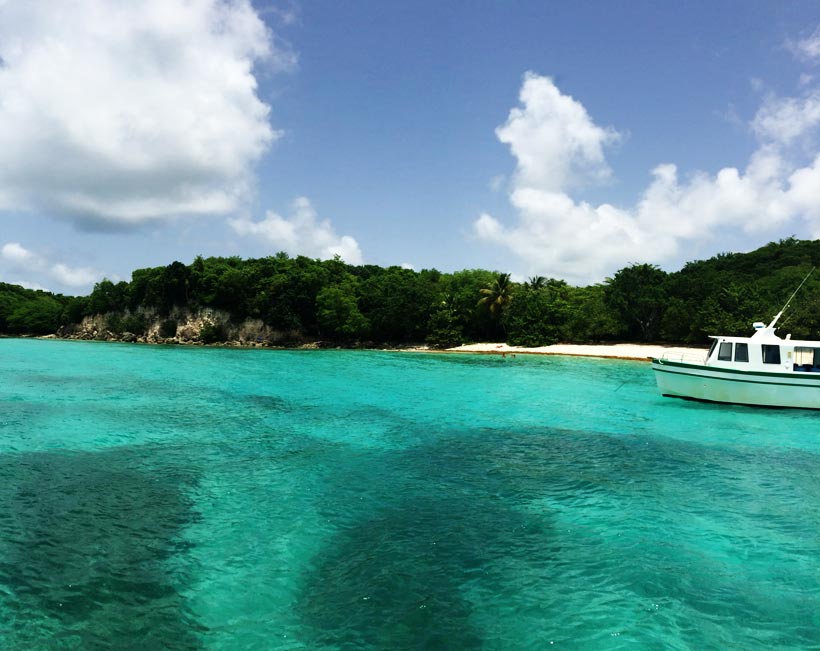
(763, 370)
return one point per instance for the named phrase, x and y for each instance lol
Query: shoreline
(634, 352)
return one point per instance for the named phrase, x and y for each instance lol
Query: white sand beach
(641, 352)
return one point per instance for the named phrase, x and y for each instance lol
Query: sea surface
(190, 498)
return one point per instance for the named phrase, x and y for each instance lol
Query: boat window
(741, 352)
(725, 352)
(804, 356)
(771, 354)
(712, 348)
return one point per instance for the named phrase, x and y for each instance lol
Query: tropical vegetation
(298, 299)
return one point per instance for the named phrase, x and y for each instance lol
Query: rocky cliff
(180, 327)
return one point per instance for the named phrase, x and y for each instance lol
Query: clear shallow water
(178, 498)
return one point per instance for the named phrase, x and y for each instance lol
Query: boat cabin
(764, 351)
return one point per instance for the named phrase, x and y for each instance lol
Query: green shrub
(212, 333)
(114, 323)
(134, 323)
(168, 328)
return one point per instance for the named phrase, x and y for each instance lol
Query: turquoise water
(189, 498)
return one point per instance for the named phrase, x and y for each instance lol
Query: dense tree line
(304, 299)
(28, 311)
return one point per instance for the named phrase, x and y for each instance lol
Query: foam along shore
(642, 352)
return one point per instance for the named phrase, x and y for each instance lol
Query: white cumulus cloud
(117, 113)
(19, 259)
(807, 48)
(786, 119)
(302, 233)
(553, 138)
(556, 235)
(74, 276)
(15, 253)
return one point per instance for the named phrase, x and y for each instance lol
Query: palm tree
(536, 282)
(497, 296)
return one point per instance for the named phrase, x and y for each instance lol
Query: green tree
(589, 318)
(11, 297)
(536, 282)
(74, 309)
(108, 297)
(496, 297)
(338, 313)
(477, 324)
(444, 328)
(638, 295)
(730, 311)
(397, 303)
(539, 313)
(232, 292)
(38, 316)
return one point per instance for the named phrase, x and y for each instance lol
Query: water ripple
(162, 498)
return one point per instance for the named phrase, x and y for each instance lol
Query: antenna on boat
(779, 314)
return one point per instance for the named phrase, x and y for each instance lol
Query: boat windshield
(725, 351)
(712, 348)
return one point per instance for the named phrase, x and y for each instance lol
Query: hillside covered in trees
(281, 300)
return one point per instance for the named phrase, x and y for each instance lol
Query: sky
(561, 139)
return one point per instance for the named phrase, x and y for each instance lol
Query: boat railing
(685, 356)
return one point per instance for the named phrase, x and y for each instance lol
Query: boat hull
(713, 384)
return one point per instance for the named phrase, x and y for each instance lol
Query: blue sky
(560, 139)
